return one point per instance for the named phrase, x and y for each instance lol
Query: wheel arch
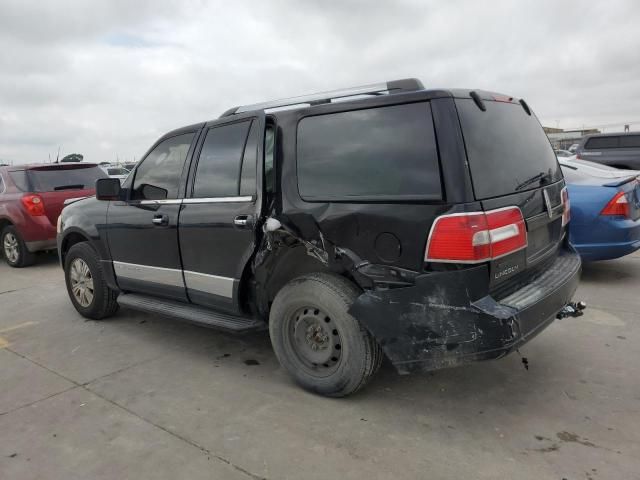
(5, 222)
(70, 239)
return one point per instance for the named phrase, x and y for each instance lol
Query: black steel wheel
(315, 338)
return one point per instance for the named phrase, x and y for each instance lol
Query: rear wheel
(87, 288)
(321, 345)
(14, 249)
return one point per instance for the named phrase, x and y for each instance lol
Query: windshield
(50, 179)
(507, 149)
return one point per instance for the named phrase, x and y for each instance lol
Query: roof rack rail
(394, 86)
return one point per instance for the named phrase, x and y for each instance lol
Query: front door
(143, 231)
(217, 222)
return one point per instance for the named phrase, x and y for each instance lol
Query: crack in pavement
(85, 387)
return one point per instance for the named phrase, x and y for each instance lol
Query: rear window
(371, 154)
(507, 149)
(52, 179)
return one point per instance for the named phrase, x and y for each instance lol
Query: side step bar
(191, 313)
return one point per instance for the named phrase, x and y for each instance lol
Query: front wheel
(87, 288)
(315, 338)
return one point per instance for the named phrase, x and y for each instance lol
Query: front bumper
(449, 318)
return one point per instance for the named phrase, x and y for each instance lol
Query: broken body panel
(424, 316)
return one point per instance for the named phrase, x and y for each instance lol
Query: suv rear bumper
(448, 318)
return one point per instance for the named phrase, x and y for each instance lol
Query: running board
(191, 313)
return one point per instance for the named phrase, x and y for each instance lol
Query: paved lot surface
(144, 397)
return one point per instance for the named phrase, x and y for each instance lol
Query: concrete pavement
(139, 396)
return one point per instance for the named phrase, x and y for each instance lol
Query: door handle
(243, 221)
(160, 220)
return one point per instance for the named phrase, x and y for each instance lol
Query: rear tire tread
(347, 292)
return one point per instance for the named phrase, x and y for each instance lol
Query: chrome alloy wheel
(315, 340)
(11, 247)
(81, 282)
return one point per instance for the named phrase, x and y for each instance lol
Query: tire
(14, 249)
(103, 302)
(313, 309)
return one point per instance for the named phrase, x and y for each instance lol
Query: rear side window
(602, 143)
(158, 176)
(507, 149)
(218, 170)
(20, 180)
(630, 141)
(53, 179)
(372, 154)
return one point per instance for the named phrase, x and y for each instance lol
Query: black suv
(427, 226)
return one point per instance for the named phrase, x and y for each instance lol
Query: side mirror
(108, 189)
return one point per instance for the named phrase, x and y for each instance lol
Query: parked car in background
(573, 148)
(425, 225)
(620, 150)
(116, 172)
(605, 209)
(563, 153)
(31, 199)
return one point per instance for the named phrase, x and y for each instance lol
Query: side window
(20, 180)
(158, 176)
(218, 170)
(249, 164)
(598, 143)
(376, 153)
(269, 173)
(630, 141)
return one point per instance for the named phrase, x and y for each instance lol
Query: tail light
(566, 206)
(618, 205)
(476, 237)
(33, 204)
(578, 157)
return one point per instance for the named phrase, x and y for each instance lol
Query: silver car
(620, 150)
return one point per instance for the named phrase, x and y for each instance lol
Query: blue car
(605, 209)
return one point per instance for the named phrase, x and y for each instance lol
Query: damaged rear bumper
(449, 318)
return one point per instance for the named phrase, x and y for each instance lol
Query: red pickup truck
(31, 199)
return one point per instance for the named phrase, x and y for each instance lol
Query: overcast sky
(106, 78)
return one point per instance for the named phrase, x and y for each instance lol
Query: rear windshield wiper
(541, 177)
(69, 187)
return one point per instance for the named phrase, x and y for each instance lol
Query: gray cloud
(106, 78)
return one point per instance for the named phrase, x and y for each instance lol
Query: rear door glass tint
(376, 153)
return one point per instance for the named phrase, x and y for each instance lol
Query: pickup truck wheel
(87, 288)
(14, 249)
(324, 348)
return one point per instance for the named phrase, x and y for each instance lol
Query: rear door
(219, 213)
(512, 163)
(143, 230)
